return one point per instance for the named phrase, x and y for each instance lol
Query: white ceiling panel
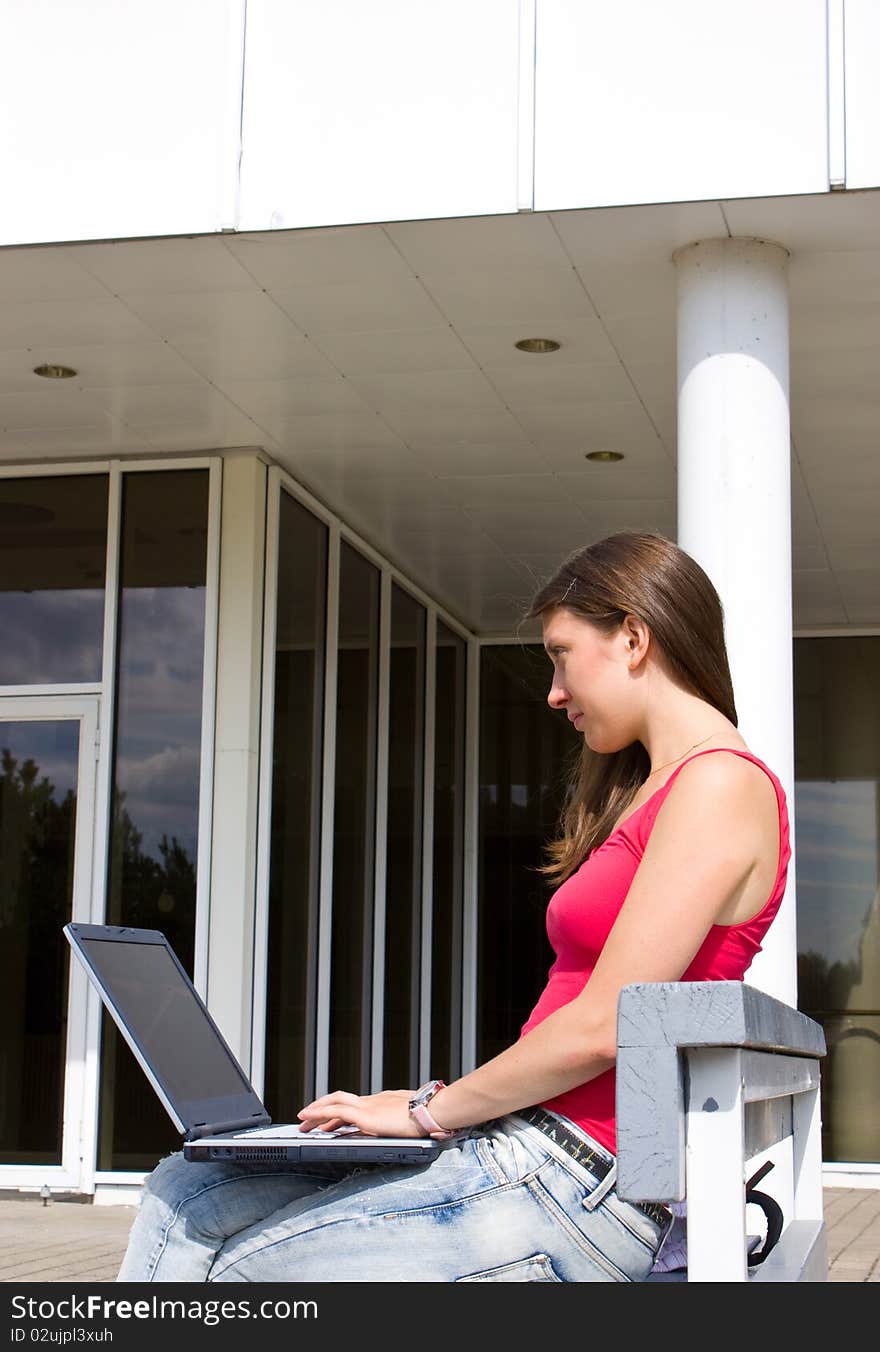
(17, 372)
(816, 599)
(265, 354)
(498, 490)
(850, 518)
(228, 318)
(807, 556)
(824, 477)
(636, 479)
(861, 595)
(272, 402)
(836, 374)
(396, 350)
(45, 274)
(153, 363)
(643, 234)
(416, 499)
(629, 289)
(567, 432)
(357, 432)
(218, 430)
(425, 391)
(835, 276)
(450, 539)
(834, 325)
(623, 514)
(643, 339)
(150, 405)
(862, 559)
(532, 537)
(526, 240)
(328, 467)
(324, 257)
(446, 427)
(566, 383)
(84, 323)
(499, 295)
(813, 223)
(821, 426)
(56, 407)
(496, 458)
(354, 307)
(581, 338)
(163, 265)
(105, 437)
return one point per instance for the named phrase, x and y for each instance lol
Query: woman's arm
(707, 838)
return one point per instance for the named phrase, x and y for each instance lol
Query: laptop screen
(166, 1018)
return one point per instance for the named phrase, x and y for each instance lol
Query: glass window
(156, 766)
(38, 794)
(354, 823)
(448, 889)
(523, 755)
(837, 852)
(53, 549)
(403, 891)
(296, 809)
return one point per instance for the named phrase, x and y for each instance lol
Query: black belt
(598, 1164)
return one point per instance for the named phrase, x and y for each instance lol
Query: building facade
(306, 381)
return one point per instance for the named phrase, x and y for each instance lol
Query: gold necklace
(678, 758)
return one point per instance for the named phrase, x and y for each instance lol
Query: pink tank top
(580, 916)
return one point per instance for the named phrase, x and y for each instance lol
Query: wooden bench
(713, 1079)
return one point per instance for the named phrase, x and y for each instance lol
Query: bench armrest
(656, 1022)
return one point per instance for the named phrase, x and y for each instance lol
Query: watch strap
(419, 1112)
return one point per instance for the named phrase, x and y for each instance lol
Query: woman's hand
(385, 1114)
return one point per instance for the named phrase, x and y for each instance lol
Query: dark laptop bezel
(195, 1118)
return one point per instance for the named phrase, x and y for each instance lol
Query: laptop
(193, 1070)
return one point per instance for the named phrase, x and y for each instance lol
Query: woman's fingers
(331, 1111)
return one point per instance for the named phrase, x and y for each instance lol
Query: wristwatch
(418, 1110)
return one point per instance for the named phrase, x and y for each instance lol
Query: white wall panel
(393, 109)
(862, 44)
(679, 100)
(119, 118)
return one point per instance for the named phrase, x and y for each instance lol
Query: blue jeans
(505, 1205)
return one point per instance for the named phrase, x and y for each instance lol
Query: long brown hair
(646, 575)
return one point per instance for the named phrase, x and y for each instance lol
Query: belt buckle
(656, 1211)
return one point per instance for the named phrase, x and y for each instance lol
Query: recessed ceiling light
(537, 345)
(51, 371)
(603, 455)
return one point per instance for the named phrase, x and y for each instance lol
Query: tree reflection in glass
(157, 749)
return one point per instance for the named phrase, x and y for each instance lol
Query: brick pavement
(73, 1241)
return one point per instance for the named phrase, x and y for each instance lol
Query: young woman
(670, 865)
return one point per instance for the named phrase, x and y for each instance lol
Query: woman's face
(590, 679)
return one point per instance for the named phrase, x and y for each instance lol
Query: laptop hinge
(200, 1129)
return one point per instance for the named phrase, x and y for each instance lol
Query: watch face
(426, 1093)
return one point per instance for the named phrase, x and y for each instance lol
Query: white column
(237, 750)
(734, 503)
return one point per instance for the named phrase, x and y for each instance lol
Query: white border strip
(328, 793)
(525, 175)
(469, 935)
(380, 872)
(229, 185)
(264, 791)
(428, 843)
(836, 92)
(106, 723)
(208, 729)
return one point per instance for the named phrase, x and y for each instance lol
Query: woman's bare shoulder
(733, 777)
